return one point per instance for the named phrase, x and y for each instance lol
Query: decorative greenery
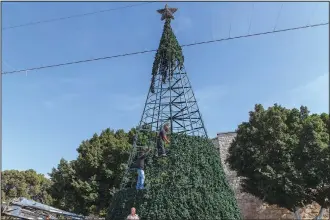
(188, 184)
(169, 55)
(284, 156)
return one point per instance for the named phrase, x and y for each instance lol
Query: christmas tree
(189, 183)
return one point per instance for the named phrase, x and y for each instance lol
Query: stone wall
(251, 207)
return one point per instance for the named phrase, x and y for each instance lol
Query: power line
(230, 21)
(251, 18)
(185, 45)
(73, 16)
(278, 16)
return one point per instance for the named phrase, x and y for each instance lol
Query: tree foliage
(283, 156)
(62, 190)
(312, 158)
(87, 184)
(145, 135)
(188, 184)
(26, 184)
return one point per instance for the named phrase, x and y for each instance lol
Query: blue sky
(47, 113)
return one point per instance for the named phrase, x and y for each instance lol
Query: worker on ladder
(140, 167)
(162, 140)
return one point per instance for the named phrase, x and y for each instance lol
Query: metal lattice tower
(173, 102)
(170, 99)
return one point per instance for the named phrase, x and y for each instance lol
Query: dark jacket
(161, 138)
(140, 162)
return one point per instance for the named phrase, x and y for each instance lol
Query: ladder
(129, 163)
(134, 152)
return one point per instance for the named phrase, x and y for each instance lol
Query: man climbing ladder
(162, 139)
(140, 166)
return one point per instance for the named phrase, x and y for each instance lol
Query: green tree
(62, 189)
(312, 159)
(28, 184)
(143, 135)
(271, 153)
(87, 184)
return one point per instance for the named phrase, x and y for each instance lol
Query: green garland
(168, 56)
(188, 184)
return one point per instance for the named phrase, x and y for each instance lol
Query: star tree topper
(167, 13)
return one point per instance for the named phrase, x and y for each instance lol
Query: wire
(230, 21)
(185, 45)
(278, 16)
(73, 16)
(251, 18)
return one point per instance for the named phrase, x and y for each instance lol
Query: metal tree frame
(171, 102)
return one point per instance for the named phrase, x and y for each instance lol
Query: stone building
(251, 207)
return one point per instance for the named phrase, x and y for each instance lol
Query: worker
(140, 167)
(133, 215)
(162, 139)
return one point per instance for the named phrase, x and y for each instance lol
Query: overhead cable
(73, 16)
(185, 45)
